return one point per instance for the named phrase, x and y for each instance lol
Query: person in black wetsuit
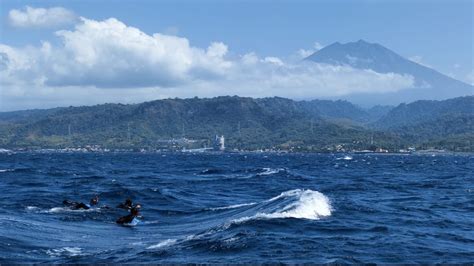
(134, 212)
(80, 205)
(126, 205)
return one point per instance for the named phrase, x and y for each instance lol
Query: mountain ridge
(247, 123)
(429, 83)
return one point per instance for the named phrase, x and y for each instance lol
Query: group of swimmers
(127, 205)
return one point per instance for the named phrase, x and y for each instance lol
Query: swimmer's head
(128, 202)
(94, 200)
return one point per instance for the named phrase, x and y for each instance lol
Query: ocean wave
(6, 170)
(304, 204)
(58, 209)
(163, 244)
(346, 158)
(65, 251)
(211, 171)
(270, 171)
(297, 203)
(235, 206)
(151, 222)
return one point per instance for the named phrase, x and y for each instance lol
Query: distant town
(217, 145)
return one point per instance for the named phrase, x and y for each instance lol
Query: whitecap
(152, 222)
(232, 239)
(309, 204)
(65, 251)
(231, 206)
(271, 171)
(6, 170)
(66, 209)
(346, 158)
(58, 209)
(164, 243)
(54, 209)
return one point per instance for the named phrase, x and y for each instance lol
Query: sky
(60, 53)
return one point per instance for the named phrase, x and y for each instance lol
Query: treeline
(246, 123)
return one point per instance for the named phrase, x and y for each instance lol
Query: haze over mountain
(448, 122)
(426, 111)
(429, 84)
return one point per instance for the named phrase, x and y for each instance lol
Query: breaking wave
(163, 244)
(297, 203)
(66, 251)
(235, 206)
(271, 171)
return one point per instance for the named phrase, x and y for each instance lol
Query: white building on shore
(219, 143)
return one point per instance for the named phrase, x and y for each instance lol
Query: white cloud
(303, 53)
(317, 46)
(470, 78)
(273, 60)
(109, 54)
(419, 60)
(41, 17)
(135, 66)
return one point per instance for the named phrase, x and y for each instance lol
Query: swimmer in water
(134, 213)
(80, 205)
(126, 205)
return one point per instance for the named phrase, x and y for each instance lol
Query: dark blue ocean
(238, 208)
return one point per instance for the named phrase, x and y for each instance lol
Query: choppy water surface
(235, 208)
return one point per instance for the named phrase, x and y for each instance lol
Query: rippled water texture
(235, 208)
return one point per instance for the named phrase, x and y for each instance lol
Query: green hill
(246, 123)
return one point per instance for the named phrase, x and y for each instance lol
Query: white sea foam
(52, 210)
(164, 243)
(65, 251)
(232, 239)
(346, 158)
(152, 222)
(232, 206)
(31, 208)
(58, 209)
(6, 170)
(308, 204)
(173, 241)
(271, 171)
(297, 203)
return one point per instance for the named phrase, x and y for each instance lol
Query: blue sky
(441, 32)
(436, 33)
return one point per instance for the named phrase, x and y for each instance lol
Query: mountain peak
(359, 43)
(363, 42)
(429, 83)
(360, 54)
